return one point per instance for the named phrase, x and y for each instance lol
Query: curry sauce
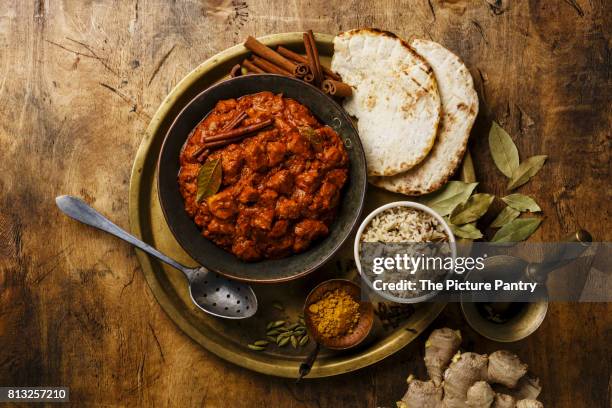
(280, 187)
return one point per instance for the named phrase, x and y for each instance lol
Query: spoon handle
(81, 211)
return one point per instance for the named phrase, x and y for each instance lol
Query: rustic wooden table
(78, 83)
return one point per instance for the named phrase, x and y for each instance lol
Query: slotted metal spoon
(210, 291)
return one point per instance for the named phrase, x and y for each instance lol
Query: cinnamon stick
(198, 151)
(269, 67)
(313, 56)
(242, 115)
(300, 58)
(235, 121)
(252, 67)
(270, 55)
(203, 156)
(225, 142)
(302, 70)
(235, 133)
(309, 77)
(336, 88)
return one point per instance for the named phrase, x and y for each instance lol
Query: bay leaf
(521, 202)
(517, 230)
(209, 179)
(466, 231)
(503, 150)
(505, 216)
(467, 168)
(448, 197)
(526, 170)
(474, 208)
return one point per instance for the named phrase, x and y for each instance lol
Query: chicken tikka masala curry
(282, 175)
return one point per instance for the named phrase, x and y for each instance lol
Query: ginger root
(528, 388)
(529, 403)
(467, 381)
(440, 347)
(461, 375)
(480, 395)
(506, 368)
(503, 401)
(422, 394)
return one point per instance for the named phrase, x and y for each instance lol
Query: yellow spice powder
(335, 315)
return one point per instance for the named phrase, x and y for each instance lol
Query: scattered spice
(281, 333)
(335, 314)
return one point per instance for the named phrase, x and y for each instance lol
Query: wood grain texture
(79, 81)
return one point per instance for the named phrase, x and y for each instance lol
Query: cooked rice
(404, 224)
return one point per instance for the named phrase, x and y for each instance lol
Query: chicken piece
(440, 348)
(225, 106)
(189, 173)
(299, 114)
(287, 209)
(260, 101)
(280, 247)
(328, 196)
(307, 231)
(480, 395)
(263, 218)
(202, 217)
(255, 155)
(422, 394)
(232, 159)
(246, 250)
(308, 181)
(276, 104)
(311, 229)
(248, 195)
(299, 145)
(331, 157)
(222, 205)
(278, 229)
(219, 227)
(505, 368)
(281, 182)
(267, 198)
(296, 165)
(461, 375)
(276, 153)
(337, 177)
(243, 222)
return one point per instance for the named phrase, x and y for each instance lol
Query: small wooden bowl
(366, 315)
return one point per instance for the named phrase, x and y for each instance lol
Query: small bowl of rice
(398, 223)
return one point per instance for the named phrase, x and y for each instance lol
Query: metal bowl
(206, 252)
(364, 325)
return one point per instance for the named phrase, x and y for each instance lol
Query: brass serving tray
(225, 338)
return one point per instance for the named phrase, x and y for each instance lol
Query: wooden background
(79, 81)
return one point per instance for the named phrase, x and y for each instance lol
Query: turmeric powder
(335, 314)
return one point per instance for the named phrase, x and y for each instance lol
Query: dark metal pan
(215, 258)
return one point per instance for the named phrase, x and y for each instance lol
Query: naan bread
(459, 110)
(395, 98)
